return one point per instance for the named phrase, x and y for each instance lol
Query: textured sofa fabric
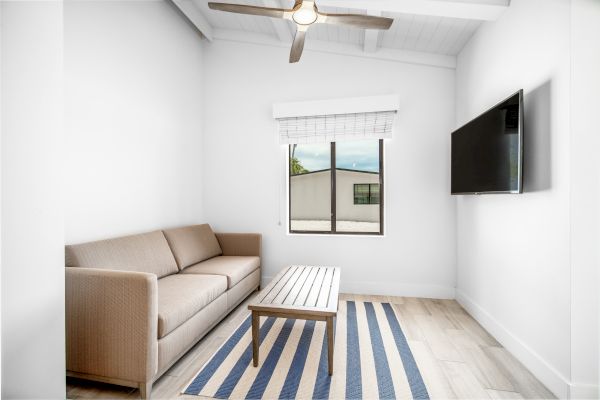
(180, 297)
(240, 244)
(235, 268)
(239, 292)
(147, 252)
(111, 323)
(177, 343)
(131, 313)
(192, 244)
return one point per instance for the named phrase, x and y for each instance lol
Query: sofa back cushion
(192, 244)
(146, 252)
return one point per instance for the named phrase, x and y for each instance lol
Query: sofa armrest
(240, 244)
(111, 323)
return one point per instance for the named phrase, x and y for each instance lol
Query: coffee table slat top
(303, 289)
(306, 287)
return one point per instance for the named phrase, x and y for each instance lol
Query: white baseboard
(583, 391)
(391, 289)
(549, 376)
(398, 289)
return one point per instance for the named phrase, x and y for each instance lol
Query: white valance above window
(336, 120)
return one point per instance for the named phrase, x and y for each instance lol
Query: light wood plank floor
(457, 357)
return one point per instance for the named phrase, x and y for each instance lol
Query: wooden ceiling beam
(371, 35)
(404, 56)
(280, 25)
(193, 14)
(485, 10)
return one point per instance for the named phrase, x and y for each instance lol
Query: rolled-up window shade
(336, 127)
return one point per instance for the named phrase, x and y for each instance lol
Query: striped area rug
(372, 360)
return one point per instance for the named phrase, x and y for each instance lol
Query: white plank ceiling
(427, 29)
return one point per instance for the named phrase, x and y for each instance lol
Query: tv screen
(487, 153)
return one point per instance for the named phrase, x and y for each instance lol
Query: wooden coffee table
(300, 292)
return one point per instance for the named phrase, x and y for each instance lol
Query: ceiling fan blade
(357, 20)
(298, 45)
(250, 10)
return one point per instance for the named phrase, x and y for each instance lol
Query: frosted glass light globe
(305, 16)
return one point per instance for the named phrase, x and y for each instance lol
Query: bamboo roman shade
(336, 120)
(336, 127)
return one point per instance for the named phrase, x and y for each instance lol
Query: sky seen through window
(360, 155)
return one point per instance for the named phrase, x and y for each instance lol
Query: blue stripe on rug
(323, 383)
(353, 372)
(292, 380)
(240, 366)
(266, 371)
(415, 380)
(210, 368)
(382, 368)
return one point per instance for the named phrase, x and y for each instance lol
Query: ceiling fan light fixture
(305, 16)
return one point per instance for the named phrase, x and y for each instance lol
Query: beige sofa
(136, 304)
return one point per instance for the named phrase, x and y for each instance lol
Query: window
(336, 188)
(366, 193)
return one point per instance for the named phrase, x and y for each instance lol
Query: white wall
(514, 251)
(124, 81)
(244, 165)
(33, 317)
(134, 119)
(585, 197)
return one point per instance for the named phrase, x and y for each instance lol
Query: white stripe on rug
(401, 387)
(338, 380)
(367, 363)
(285, 361)
(309, 373)
(249, 377)
(219, 376)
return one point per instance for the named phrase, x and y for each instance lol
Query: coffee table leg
(330, 344)
(255, 326)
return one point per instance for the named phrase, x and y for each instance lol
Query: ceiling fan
(304, 14)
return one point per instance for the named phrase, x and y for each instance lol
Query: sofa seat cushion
(180, 297)
(192, 244)
(235, 268)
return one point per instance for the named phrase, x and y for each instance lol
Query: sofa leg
(145, 389)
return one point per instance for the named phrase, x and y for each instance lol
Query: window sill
(345, 234)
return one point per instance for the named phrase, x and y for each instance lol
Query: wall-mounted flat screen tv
(487, 152)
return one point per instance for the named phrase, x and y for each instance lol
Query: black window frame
(333, 170)
(369, 195)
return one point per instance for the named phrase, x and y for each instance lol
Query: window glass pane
(310, 187)
(374, 194)
(357, 186)
(361, 193)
